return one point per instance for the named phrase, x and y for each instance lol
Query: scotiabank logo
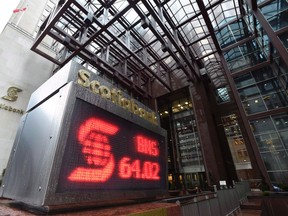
(94, 135)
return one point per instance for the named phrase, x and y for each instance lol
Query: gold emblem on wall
(12, 93)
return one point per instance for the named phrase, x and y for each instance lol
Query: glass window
(283, 37)
(276, 100)
(254, 106)
(244, 56)
(276, 160)
(264, 125)
(244, 80)
(233, 33)
(269, 86)
(269, 142)
(222, 95)
(284, 138)
(281, 121)
(236, 142)
(278, 176)
(274, 8)
(263, 74)
(249, 92)
(276, 13)
(271, 135)
(269, 92)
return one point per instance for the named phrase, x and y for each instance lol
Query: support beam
(198, 14)
(209, 25)
(119, 42)
(138, 59)
(98, 32)
(168, 34)
(252, 148)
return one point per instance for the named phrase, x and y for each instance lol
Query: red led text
(138, 170)
(146, 145)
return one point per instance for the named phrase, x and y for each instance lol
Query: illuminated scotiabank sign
(106, 152)
(115, 96)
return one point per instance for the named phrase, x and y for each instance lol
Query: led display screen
(107, 152)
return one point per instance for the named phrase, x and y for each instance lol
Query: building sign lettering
(115, 96)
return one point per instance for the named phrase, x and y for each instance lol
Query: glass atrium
(166, 53)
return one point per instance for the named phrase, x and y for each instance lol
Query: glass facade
(185, 147)
(276, 13)
(190, 155)
(271, 134)
(262, 90)
(233, 33)
(244, 56)
(236, 143)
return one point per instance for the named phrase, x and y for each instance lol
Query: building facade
(22, 71)
(216, 71)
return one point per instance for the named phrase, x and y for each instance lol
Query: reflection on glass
(269, 142)
(236, 142)
(233, 33)
(262, 126)
(249, 92)
(263, 74)
(276, 13)
(244, 56)
(222, 95)
(244, 80)
(188, 146)
(271, 135)
(276, 100)
(254, 106)
(281, 121)
(283, 37)
(275, 160)
(267, 94)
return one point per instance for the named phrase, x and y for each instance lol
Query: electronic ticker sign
(105, 152)
(75, 146)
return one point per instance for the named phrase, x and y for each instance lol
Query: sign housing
(74, 146)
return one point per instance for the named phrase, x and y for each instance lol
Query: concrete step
(249, 212)
(255, 204)
(254, 201)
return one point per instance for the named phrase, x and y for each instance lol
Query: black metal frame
(167, 43)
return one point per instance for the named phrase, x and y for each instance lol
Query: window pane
(281, 121)
(254, 106)
(262, 126)
(244, 80)
(249, 92)
(276, 100)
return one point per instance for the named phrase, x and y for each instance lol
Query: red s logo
(93, 135)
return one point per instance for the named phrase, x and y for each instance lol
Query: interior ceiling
(140, 42)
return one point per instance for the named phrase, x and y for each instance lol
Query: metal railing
(221, 203)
